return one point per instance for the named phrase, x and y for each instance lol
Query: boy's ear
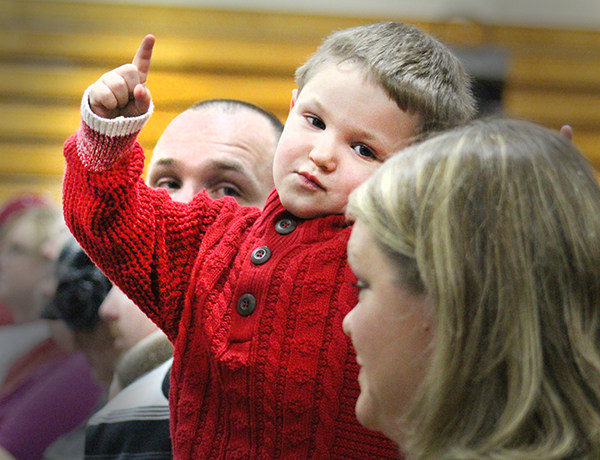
(294, 97)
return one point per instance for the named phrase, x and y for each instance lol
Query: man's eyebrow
(165, 162)
(228, 165)
(215, 164)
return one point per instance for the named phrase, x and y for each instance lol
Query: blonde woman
(477, 330)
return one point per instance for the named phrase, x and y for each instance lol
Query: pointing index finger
(143, 57)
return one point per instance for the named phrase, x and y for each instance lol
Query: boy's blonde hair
(419, 73)
(500, 223)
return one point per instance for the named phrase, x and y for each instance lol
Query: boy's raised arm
(122, 91)
(131, 232)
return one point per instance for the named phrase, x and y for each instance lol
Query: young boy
(254, 300)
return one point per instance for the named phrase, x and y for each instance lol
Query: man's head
(418, 72)
(223, 146)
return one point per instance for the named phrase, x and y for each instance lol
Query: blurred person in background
(49, 389)
(75, 295)
(16, 340)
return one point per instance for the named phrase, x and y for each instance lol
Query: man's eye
(364, 151)
(168, 183)
(316, 122)
(225, 190)
(230, 191)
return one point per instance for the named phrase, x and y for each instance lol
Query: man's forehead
(221, 147)
(227, 152)
(243, 127)
(211, 117)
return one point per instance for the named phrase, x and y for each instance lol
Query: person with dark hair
(80, 290)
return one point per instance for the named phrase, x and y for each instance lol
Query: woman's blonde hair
(500, 223)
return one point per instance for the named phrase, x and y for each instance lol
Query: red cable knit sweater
(252, 300)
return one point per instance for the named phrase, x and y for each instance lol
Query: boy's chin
(304, 211)
(308, 206)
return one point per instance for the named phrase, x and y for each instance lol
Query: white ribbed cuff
(112, 127)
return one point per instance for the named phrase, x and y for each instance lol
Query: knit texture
(280, 383)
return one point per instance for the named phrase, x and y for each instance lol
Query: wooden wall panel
(50, 51)
(553, 76)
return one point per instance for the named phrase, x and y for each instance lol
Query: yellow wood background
(51, 51)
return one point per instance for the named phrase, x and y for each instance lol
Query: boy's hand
(123, 92)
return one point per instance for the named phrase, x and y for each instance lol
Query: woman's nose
(346, 324)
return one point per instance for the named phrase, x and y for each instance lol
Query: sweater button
(260, 255)
(246, 304)
(285, 226)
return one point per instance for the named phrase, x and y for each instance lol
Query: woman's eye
(316, 122)
(364, 151)
(169, 184)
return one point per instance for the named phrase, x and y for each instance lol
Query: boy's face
(340, 129)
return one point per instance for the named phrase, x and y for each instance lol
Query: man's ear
(294, 97)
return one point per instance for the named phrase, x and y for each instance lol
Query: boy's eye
(365, 151)
(316, 122)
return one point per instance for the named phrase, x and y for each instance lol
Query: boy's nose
(324, 157)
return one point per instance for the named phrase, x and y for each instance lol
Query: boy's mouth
(311, 180)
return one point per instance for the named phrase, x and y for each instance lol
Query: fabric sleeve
(141, 239)
(107, 139)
